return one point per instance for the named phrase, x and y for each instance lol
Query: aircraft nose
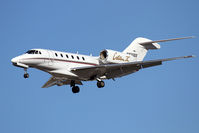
(14, 60)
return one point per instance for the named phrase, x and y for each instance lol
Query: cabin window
(55, 54)
(39, 52)
(61, 55)
(72, 56)
(66, 56)
(78, 57)
(83, 58)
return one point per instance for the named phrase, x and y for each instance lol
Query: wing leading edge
(120, 69)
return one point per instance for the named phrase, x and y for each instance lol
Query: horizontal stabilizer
(166, 40)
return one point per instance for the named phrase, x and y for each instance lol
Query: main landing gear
(26, 75)
(75, 89)
(100, 84)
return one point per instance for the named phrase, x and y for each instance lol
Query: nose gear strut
(26, 75)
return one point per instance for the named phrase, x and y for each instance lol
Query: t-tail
(139, 47)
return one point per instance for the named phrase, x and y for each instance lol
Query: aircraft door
(50, 58)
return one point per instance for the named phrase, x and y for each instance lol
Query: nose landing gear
(26, 75)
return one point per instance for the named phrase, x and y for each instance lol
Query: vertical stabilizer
(138, 50)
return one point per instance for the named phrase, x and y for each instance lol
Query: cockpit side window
(33, 52)
(30, 52)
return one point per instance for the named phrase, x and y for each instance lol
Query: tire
(100, 84)
(75, 89)
(26, 75)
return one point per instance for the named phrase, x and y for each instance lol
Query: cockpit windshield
(33, 52)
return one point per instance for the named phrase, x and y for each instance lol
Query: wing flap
(151, 64)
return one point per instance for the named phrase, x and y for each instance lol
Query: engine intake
(111, 56)
(103, 54)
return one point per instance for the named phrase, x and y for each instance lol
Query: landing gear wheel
(26, 75)
(100, 84)
(75, 89)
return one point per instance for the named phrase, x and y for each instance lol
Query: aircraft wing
(56, 81)
(51, 82)
(118, 70)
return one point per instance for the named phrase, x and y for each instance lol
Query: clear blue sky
(162, 99)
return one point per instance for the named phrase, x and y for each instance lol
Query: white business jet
(71, 69)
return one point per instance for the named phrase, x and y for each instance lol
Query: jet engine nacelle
(111, 56)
